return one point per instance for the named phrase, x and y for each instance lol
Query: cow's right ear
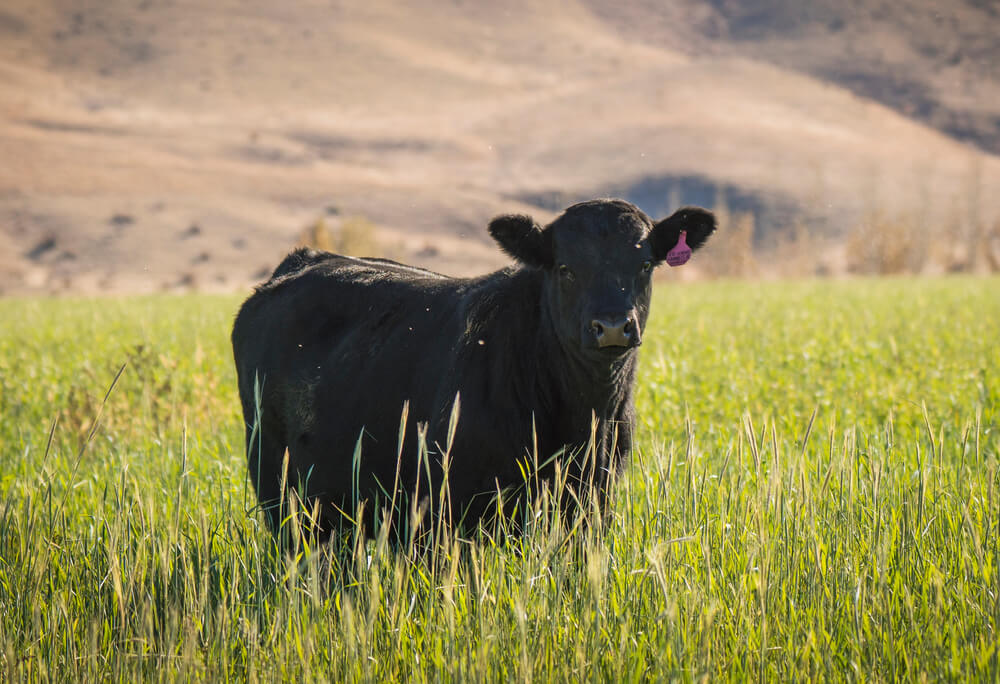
(523, 239)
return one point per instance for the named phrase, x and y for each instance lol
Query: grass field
(815, 495)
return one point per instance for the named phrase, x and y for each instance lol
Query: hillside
(938, 63)
(172, 145)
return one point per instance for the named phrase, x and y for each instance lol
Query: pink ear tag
(680, 254)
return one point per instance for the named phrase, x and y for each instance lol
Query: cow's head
(598, 258)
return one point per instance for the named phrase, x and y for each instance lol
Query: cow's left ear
(522, 238)
(699, 224)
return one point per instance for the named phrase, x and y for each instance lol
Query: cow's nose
(615, 332)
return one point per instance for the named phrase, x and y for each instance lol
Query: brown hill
(181, 144)
(936, 62)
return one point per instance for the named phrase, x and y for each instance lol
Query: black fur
(338, 344)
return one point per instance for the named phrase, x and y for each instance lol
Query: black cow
(540, 358)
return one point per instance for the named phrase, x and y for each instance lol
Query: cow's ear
(698, 223)
(522, 238)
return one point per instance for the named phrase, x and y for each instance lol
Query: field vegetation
(815, 495)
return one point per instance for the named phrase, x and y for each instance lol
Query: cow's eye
(565, 272)
(647, 266)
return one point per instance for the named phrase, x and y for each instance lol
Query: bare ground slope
(180, 144)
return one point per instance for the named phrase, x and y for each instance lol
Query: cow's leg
(265, 457)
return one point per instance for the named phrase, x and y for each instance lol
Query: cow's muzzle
(616, 331)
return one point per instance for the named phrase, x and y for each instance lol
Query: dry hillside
(936, 62)
(172, 144)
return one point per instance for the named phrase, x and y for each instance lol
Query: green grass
(815, 495)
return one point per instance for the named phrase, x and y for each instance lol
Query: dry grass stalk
(355, 236)
(880, 245)
(987, 248)
(730, 253)
(797, 254)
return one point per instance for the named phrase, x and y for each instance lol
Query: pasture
(815, 495)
